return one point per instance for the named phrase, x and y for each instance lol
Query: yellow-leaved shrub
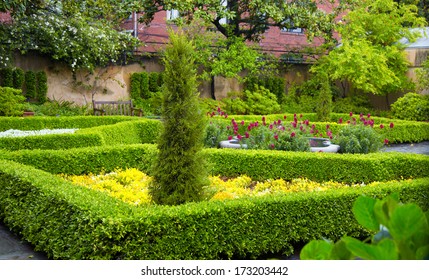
(132, 186)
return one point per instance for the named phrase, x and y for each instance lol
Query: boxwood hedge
(72, 222)
(259, 165)
(125, 132)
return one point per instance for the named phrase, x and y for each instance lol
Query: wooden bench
(125, 108)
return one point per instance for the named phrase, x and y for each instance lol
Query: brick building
(155, 36)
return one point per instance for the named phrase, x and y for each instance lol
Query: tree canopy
(83, 34)
(252, 18)
(371, 56)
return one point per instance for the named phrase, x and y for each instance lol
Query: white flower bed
(24, 133)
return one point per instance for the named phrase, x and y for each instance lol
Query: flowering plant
(358, 136)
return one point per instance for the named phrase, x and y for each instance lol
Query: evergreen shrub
(412, 106)
(11, 102)
(30, 85)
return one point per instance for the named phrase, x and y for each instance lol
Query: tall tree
(179, 172)
(370, 55)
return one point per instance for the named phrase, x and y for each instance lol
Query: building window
(172, 14)
(292, 29)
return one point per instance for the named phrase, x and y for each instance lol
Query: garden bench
(125, 108)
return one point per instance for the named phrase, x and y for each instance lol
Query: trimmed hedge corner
(72, 222)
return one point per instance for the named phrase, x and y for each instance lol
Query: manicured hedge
(37, 123)
(259, 165)
(72, 222)
(127, 132)
(134, 132)
(51, 141)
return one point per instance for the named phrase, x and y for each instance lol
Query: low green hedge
(51, 141)
(37, 123)
(259, 165)
(71, 222)
(126, 132)
(135, 132)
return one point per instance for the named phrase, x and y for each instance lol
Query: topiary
(6, 77)
(135, 87)
(179, 172)
(30, 84)
(42, 86)
(18, 78)
(412, 106)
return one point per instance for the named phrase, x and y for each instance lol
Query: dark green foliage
(6, 77)
(144, 85)
(135, 91)
(412, 106)
(275, 85)
(179, 172)
(11, 102)
(324, 107)
(70, 222)
(400, 232)
(18, 78)
(30, 85)
(42, 86)
(154, 82)
(358, 139)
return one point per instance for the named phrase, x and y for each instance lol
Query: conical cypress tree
(179, 172)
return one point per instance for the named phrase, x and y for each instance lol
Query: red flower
(272, 146)
(294, 124)
(229, 137)
(300, 116)
(292, 134)
(327, 126)
(239, 137)
(340, 120)
(381, 126)
(279, 121)
(284, 117)
(242, 122)
(218, 109)
(271, 126)
(391, 125)
(369, 115)
(263, 118)
(351, 114)
(247, 134)
(301, 128)
(386, 141)
(276, 137)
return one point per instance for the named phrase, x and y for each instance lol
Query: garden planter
(316, 145)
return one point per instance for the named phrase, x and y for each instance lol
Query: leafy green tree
(83, 34)
(422, 5)
(251, 19)
(179, 172)
(370, 55)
